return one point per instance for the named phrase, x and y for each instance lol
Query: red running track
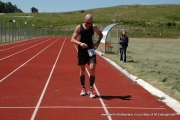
(39, 79)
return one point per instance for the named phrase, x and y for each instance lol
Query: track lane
(9, 66)
(25, 86)
(62, 99)
(19, 43)
(63, 92)
(8, 52)
(48, 80)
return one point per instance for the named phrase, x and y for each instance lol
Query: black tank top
(86, 37)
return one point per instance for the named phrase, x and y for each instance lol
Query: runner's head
(88, 20)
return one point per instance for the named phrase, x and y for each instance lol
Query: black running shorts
(86, 59)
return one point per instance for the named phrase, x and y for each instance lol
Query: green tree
(8, 7)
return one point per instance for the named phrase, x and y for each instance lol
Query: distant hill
(139, 20)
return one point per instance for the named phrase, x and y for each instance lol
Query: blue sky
(72, 5)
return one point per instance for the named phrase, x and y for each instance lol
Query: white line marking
(23, 50)
(102, 103)
(21, 45)
(16, 107)
(25, 62)
(45, 87)
(94, 107)
(82, 107)
(104, 106)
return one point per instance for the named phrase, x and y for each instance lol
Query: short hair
(124, 31)
(88, 17)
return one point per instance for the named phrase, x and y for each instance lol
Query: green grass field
(154, 60)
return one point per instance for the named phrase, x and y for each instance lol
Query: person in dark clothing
(83, 36)
(123, 44)
(120, 42)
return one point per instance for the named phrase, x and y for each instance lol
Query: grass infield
(155, 60)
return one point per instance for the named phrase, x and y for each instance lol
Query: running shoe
(90, 93)
(83, 92)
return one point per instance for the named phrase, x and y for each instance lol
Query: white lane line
(26, 62)
(20, 45)
(45, 87)
(23, 50)
(96, 107)
(102, 103)
(82, 107)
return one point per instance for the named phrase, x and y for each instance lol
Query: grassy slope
(153, 13)
(144, 19)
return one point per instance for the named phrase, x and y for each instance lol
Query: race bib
(91, 52)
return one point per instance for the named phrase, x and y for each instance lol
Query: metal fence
(12, 30)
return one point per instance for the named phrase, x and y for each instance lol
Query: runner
(83, 36)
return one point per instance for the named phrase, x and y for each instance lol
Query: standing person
(83, 36)
(124, 40)
(120, 46)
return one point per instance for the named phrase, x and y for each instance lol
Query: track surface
(39, 79)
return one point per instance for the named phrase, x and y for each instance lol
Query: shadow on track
(127, 97)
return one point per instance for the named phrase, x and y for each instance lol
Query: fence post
(9, 30)
(32, 31)
(14, 30)
(5, 32)
(1, 32)
(18, 31)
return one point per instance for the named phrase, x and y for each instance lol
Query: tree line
(8, 7)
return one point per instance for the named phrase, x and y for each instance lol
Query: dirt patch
(24, 16)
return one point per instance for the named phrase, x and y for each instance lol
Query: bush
(169, 24)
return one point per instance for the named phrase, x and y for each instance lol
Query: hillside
(147, 16)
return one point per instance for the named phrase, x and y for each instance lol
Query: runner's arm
(96, 29)
(75, 37)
